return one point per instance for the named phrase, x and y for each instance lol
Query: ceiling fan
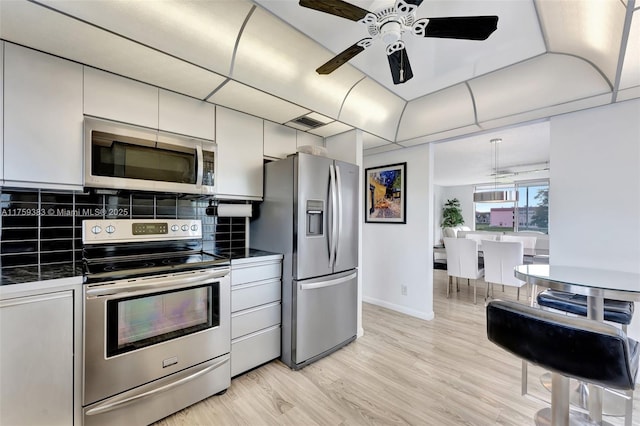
(389, 24)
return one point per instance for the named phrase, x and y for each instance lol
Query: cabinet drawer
(254, 294)
(255, 349)
(242, 274)
(254, 319)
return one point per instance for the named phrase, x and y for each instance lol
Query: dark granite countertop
(246, 254)
(35, 273)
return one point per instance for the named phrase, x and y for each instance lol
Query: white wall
(401, 254)
(348, 147)
(594, 196)
(464, 194)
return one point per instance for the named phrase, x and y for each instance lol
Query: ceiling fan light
(391, 32)
(495, 196)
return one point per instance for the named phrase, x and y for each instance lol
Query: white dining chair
(462, 261)
(528, 242)
(481, 237)
(500, 259)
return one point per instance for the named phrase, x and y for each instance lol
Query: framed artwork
(386, 194)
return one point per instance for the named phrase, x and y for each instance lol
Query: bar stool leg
(628, 409)
(559, 399)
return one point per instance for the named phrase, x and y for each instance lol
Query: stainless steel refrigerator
(310, 214)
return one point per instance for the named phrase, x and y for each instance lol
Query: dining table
(596, 284)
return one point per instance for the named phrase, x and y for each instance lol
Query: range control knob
(96, 229)
(175, 228)
(194, 227)
(185, 227)
(110, 229)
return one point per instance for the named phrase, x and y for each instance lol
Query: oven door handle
(116, 402)
(147, 285)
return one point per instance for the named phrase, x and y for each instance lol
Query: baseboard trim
(399, 308)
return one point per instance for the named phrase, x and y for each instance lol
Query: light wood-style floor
(402, 371)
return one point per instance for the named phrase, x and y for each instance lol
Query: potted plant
(451, 214)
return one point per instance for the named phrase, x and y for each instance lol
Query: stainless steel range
(156, 320)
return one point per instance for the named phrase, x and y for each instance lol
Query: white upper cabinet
(304, 138)
(187, 116)
(121, 99)
(42, 120)
(279, 140)
(240, 155)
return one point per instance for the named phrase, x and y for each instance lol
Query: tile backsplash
(39, 227)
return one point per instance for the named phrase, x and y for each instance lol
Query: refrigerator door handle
(339, 212)
(334, 227)
(328, 283)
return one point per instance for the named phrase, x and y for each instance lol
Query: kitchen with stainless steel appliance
(156, 320)
(309, 214)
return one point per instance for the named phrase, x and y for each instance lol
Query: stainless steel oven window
(140, 321)
(132, 158)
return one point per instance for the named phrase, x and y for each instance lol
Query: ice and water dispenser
(315, 217)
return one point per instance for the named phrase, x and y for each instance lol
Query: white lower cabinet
(36, 360)
(256, 313)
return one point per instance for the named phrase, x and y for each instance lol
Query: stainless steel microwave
(120, 156)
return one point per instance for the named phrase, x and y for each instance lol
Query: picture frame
(386, 194)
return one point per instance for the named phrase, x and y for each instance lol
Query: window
(530, 213)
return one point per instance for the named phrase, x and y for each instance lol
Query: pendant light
(496, 195)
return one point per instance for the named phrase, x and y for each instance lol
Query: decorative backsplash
(45, 228)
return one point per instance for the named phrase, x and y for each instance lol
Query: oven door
(137, 331)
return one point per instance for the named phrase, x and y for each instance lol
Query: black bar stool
(572, 347)
(617, 311)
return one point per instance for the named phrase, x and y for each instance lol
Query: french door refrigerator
(310, 214)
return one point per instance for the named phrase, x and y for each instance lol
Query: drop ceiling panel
(436, 63)
(381, 149)
(372, 107)
(201, 32)
(550, 111)
(588, 29)
(330, 129)
(275, 57)
(540, 82)
(244, 98)
(372, 141)
(40, 28)
(630, 76)
(441, 136)
(626, 94)
(447, 109)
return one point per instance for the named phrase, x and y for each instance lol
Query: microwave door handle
(199, 165)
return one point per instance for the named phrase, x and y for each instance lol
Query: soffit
(252, 101)
(200, 32)
(588, 29)
(52, 32)
(275, 58)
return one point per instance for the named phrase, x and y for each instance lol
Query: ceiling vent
(308, 122)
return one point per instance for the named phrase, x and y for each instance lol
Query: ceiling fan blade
(336, 7)
(460, 27)
(343, 57)
(399, 65)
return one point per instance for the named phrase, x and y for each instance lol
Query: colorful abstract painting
(385, 193)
